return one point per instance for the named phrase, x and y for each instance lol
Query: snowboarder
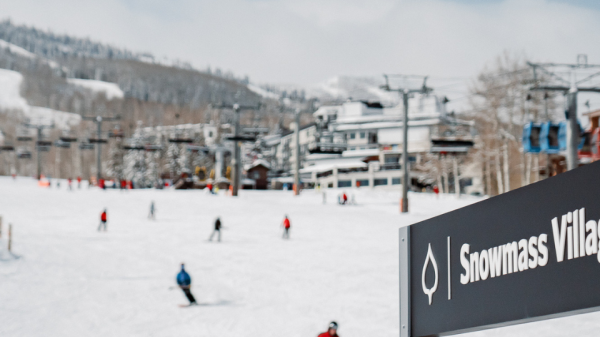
(217, 230)
(102, 220)
(152, 209)
(286, 227)
(185, 282)
(331, 330)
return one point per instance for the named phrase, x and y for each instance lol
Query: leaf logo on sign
(430, 259)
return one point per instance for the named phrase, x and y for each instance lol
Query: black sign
(523, 256)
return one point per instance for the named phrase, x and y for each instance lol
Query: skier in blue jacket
(184, 281)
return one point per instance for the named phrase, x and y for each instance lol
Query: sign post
(527, 255)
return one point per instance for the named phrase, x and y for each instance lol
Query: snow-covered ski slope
(340, 264)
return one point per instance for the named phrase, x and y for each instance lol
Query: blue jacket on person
(183, 278)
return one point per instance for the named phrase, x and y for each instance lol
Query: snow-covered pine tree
(134, 163)
(183, 161)
(172, 160)
(114, 165)
(152, 157)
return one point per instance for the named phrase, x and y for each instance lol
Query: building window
(353, 135)
(380, 182)
(255, 175)
(363, 182)
(344, 183)
(362, 135)
(395, 181)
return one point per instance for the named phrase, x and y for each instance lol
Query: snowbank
(17, 50)
(111, 90)
(61, 119)
(10, 86)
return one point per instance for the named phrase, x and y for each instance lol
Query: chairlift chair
(62, 144)
(86, 146)
(549, 138)
(21, 154)
(531, 137)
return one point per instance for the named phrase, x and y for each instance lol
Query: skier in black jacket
(217, 230)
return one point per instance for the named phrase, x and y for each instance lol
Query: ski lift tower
(405, 95)
(98, 140)
(237, 138)
(570, 87)
(41, 145)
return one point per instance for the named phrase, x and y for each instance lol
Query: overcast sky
(308, 41)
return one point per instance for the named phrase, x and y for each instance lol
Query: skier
(185, 282)
(324, 197)
(436, 190)
(152, 209)
(286, 228)
(102, 220)
(70, 181)
(217, 230)
(78, 182)
(344, 198)
(331, 330)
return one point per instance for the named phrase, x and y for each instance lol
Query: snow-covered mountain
(335, 89)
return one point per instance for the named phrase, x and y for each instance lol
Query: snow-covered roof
(331, 166)
(384, 125)
(360, 153)
(257, 163)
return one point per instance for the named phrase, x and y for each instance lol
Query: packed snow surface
(341, 263)
(10, 86)
(111, 90)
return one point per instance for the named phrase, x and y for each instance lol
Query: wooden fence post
(9, 237)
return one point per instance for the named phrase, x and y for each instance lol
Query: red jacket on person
(326, 334)
(103, 216)
(286, 223)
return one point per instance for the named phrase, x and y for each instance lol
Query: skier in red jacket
(102, 220)
(286, 227)
(331, 331)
